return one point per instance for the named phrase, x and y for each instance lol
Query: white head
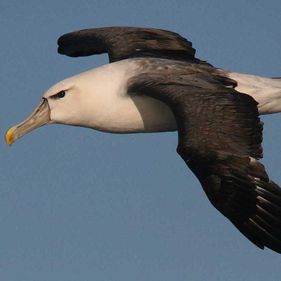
(76, 100)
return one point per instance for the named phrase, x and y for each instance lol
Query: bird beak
(39, 117)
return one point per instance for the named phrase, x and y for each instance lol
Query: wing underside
(220, 137)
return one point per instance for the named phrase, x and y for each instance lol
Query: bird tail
(266, 91)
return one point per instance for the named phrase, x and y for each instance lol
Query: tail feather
(266, 91)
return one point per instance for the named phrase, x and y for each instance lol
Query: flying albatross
(154, 83)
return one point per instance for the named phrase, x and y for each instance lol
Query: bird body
(105, 89)
(154, 83)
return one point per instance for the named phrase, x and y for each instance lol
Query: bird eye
(59, 95)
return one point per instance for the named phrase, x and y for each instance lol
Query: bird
(155, 83)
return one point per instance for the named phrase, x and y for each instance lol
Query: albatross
(154, 83)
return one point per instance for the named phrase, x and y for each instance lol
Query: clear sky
(76, 204)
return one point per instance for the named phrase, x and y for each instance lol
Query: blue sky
(76, 204)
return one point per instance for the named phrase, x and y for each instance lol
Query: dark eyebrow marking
(58, 95)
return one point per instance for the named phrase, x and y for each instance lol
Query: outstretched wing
(220, 138)
(125, 42)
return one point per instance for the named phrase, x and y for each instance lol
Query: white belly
(139, 114)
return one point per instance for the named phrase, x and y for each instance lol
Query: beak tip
(39, 117)
(10, 136)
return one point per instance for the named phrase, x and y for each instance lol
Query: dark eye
(59, 95)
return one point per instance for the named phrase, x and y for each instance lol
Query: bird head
(67, 102)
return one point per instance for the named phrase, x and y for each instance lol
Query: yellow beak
(39, 117)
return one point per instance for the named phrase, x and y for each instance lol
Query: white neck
(108, 107)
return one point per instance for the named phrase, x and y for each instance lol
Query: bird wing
(125, 42)
(219, 138)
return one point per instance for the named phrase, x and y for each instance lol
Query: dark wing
(220, 138)
(125, 42)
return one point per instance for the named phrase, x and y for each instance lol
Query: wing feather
(220, 136)
(125, 42)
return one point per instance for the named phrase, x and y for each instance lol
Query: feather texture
(220, 137)
(124, 42)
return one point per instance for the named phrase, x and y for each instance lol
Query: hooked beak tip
(39, 117)
(10, 136)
